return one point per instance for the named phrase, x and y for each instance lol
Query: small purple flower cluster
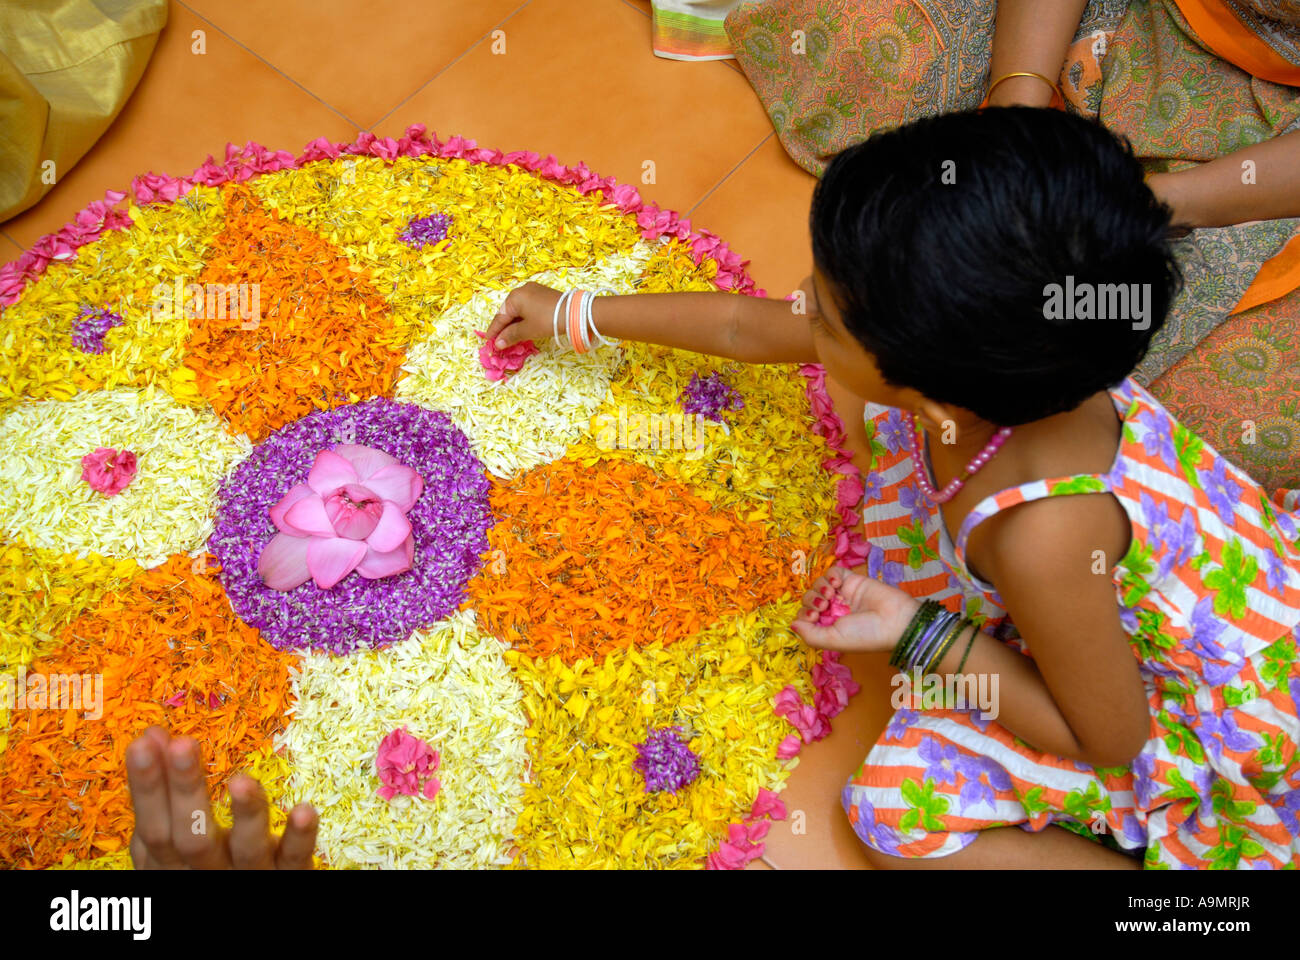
(425, 230)
(90, 327)
(449, 522)
(666, 760)
(709, 396)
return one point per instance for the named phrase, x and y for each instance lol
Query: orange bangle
(575, 321)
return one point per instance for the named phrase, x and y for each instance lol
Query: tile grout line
(636, 8)
(727, 175)
(322, 100)
(21, 248)
(466, 52)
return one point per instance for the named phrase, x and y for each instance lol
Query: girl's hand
(174, 827)
(528, 313)
(878, 614)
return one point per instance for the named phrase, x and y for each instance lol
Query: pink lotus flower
(403, 762)
(349, 515)
(108, 471)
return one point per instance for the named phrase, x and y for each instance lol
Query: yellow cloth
(66, 69)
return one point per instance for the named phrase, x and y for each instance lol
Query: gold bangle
(1022, 73)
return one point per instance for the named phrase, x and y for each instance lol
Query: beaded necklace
(959, 481)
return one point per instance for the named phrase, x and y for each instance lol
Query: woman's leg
(1010, 848)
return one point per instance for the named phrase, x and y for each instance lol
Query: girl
(1149, 688)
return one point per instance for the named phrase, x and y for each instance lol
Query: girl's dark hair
(940, 239)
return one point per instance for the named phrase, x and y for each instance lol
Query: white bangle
(555, 318)
(587, 300)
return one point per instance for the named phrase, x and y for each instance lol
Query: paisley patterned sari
(1185, 81)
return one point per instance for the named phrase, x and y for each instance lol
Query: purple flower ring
(449, 523)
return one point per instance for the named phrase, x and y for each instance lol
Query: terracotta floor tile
(814, 788)
(579, 80)
(761, 210)
(361, 59)
(186, 107)
(9, 248)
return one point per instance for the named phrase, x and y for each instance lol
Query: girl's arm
(1081, 696)
(1033, 36)
(751, 329)
(1259, 182)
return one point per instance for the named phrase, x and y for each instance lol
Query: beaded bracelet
(926, 613)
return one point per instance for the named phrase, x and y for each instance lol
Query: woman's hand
(174, 827)
(528, 313)
(878, 614)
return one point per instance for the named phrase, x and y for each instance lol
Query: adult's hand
(174, 826)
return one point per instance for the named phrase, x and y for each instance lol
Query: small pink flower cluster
(406, 765)
(108, 471)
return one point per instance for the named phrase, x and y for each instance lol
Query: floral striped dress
(1209, 593)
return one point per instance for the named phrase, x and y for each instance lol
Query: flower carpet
(265, 485)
